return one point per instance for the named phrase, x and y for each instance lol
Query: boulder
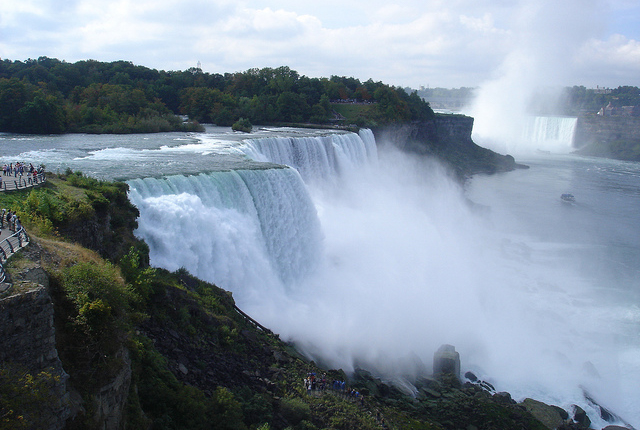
(546, 414)
(447, 360)
(581, 417)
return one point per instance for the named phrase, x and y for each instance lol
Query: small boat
(568, 198)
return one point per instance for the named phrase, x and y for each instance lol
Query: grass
(360, 114)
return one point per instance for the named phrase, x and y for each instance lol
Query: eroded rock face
(446, 360)
(28, 340)
(448, 138)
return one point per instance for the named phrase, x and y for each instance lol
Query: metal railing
(11, 244)
(12, 183)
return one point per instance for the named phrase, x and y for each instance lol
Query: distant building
(602, 90)
(610, 110)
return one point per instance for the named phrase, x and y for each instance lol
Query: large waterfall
(376, 259)
(523, 134)
(549, 133)
(244, 229)
(236, 228)
(315, 157)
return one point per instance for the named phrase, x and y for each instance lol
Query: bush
(99, 295)
(243, 124)
(294, 410)
(26, 400)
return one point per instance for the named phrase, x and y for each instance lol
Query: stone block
(447, 360)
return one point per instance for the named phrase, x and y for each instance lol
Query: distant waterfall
(238, 229)
(315, 157)
(549, 133)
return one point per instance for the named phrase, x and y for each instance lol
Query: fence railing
(11, 183)
(8, 246)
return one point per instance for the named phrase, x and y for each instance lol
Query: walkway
(10, 243)
(12, 183)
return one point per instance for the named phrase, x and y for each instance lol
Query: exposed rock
(471, 376)
(446, 360)
(28, 339)
(504, 398)
(447, 137)
(547, 415)
(581, 417)
(111, 399)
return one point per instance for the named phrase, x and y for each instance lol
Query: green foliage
(47, 210)
(294, 409)
(140, 278)
(50, 96)
(243, 124)
(578, 99)
(99, 294)
(172, 405)
(25, 397)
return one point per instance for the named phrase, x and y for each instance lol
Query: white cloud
(410, 42)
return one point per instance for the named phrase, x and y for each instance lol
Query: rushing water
(375, 259)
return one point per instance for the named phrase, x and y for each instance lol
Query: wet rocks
(446, 360)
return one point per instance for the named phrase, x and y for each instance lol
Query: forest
(47, 95)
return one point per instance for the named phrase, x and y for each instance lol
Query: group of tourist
(21, 170)
(15, 169)
(10, 219)
(313, 383)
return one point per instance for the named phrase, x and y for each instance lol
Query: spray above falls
(374, 260)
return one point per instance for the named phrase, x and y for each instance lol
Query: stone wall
(28, 340)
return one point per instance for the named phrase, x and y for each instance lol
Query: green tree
(42, 115)
(13, 96)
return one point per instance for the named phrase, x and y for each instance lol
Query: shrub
(98, 293)
(243, 124)
(25, 399)
(294, 410)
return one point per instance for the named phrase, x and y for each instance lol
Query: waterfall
(315, 157)
(242, 229)
(548, 133)
(238, 229)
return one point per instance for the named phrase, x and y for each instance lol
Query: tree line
(47, 95)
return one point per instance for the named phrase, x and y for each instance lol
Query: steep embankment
(608, 136)
(447, 137)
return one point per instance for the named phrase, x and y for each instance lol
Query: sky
(408, 43)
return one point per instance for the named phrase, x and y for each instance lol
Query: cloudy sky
(436, 43)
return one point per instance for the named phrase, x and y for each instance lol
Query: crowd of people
(314, 384)
(26, 174)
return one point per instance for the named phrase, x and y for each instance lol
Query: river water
(541, 297)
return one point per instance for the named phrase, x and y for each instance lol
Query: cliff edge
(448, 138)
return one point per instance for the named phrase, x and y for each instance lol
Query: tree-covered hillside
(52, 96)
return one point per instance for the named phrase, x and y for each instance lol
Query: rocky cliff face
(608, 136)
(448, 138)
(28, 340)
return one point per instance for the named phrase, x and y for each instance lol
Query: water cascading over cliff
(374, 261)
(244, 229)
(548, 133)
(521, 135)
(315, 157)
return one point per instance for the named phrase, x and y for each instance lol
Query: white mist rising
(546, 38)
(401, 265)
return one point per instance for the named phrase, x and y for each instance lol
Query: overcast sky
(435, 43)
